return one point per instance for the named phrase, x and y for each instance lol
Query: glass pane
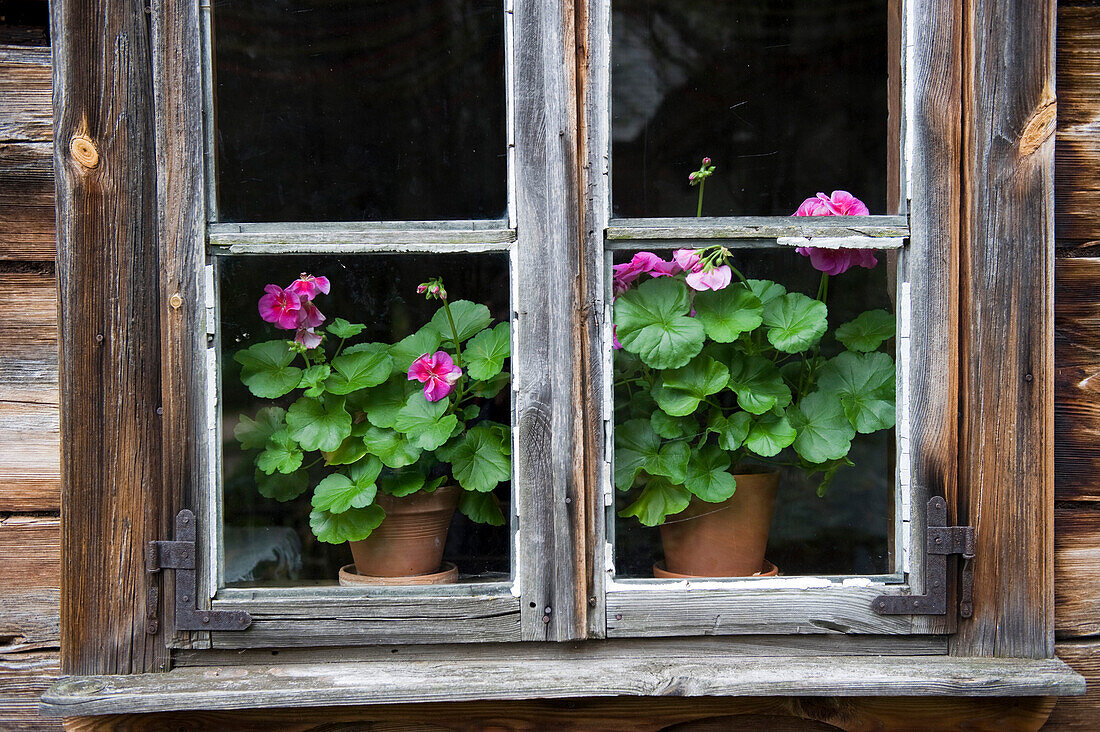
(790, 375)
(787, 98)
(315, 458)
(359, 111)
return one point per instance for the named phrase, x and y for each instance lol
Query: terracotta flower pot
(726, 539)
(410, 540)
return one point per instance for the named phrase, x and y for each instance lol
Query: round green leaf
(766, 290)
(266, 369)
(868, 331)
(824, 432)
(355, 524)
(382, 403)
(391, 447)
(707, 475)
(758, 384)
(470, 319)
(671, 428)
(492, 387)
(318, 424)
(359, 367)
(426, 424)
(671, 461)
(343, 329)
(338, 492)
(408, 349)
(486, 352)
(282, 487)
(482, 508)
(281, 454)
(652, 321)
(254, 434)
(313, 379)
(658, 500)
(351, 450)
(479, 460)
(729, 312)
(403, 482)
(635, 444)
(795, 322)
(864, 383)
(769, 434)
(731, 431)
(680, 391)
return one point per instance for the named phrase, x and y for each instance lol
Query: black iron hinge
(179, 556)
(941, 540)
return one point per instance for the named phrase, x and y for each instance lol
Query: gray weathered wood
(1006, 450)
(395, 681)
(109, 340)
(27, 201)
(30, 570)
(358, 238)
(25, 111)
(757, 228)
(23, 678)
(548, 463)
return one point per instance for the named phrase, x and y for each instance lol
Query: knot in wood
(84, 151)
(175, 301)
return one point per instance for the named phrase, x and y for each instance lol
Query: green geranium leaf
(281, 454)
(868, 331)
(484, 355)
(864, 383)
(408, 349)
(658, 500)
(355, 524)
(470, 319)
(795, 322)
(254, 434)
(318, 424)
(313, 379)
(282, 487)
(671, 428)
(266, 369)
(708, 476)
(769, 435)
(479, 459)
(483, 508)
(679, 391)
(652, 321)
(338, 492)
(824, 432)
(635, 444)
(369, 364)
(391, 447)
(426, 424)
(758, 384)
(343, 329)
(351, 450)
(382, 403)
(731, 431)
(729, 312)
(766, 290)
(492, 387)
(671, 461)
(402, 482)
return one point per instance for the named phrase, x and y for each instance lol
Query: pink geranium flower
(309, 316)
(437, 372)
(280, 307)
(307, 286)
(835, 261)
(307, 337)
(710, 279)
(624, 275)
(686, 259)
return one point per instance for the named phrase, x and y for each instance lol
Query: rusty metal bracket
(179, 556)
(941, 540)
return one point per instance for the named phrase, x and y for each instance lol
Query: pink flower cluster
(835, 261)
(292, 308)
(700, 276)
(437, 372)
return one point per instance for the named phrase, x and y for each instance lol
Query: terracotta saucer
(447, 575)
(768, 570)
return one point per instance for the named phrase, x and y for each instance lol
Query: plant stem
(458, 353)
(699, 207)
(823, 288)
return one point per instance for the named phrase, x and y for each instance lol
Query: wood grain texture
(398, 681)
(1077, 570)
(1006, 458)
(26, 201)
(26, 114)
(615, 715)
(1078, 149)
(548, 465)
(1078, 713)
(23, 678)
(109, 340)
(29, 575)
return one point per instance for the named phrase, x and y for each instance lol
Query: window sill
(574, 674)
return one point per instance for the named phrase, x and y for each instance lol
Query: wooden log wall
(29, 469)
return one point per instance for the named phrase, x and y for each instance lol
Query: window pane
(751, 380)
(787, 98)
(379, 433)
(359, 111)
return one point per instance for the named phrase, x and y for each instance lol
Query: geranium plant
(355, 418)
(715, 372)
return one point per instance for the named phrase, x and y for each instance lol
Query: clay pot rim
(447, 574)
(767, 570)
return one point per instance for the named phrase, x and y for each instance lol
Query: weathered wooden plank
(1078, 713)
(29, 465)
(23, 678)
(756, 227)
(109, 339)
(1078, 150)
(396, 680)
(1077, 570)
(548, 463)
(29, 575)
(444, 236)
(1006, 458)
(26, 201)
(26, 113)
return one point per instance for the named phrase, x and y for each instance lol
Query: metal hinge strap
(179, 556)
(941, 540)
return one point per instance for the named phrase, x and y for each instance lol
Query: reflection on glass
(359, 111)
(785, 96)
(754, 414)
(354, 397)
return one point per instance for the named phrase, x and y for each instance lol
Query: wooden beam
(30, 569)
(26, 201)
(1079, 713)
(109, 340)
(1006, 470)
(1078, 148)
(1077, 570)
(26, 114)
(23, 678)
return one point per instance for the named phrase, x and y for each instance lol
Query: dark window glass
(787, 97)
(359, 111)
